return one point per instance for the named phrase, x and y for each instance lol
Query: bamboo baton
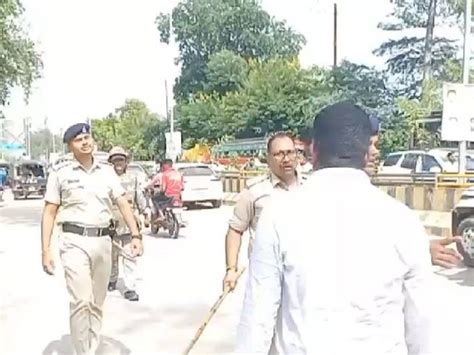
(124, 253)
(211, 313)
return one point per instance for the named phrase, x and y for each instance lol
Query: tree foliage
(43, 142)
(409, 59)
(20, 63)
(134, 127)
(206, 27)
(280, 95)
(225, 72)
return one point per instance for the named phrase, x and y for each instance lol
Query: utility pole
(171, 109)
(335, 37)
(27, 133)
(465, 76)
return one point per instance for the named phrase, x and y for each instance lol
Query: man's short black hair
(278, 135)
(168, 162)
(341, 134)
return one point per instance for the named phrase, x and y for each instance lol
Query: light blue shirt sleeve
(264, 289)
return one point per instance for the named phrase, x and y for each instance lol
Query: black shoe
(112, 286)
(131, 296)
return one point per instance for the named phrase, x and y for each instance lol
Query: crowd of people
(311, 289)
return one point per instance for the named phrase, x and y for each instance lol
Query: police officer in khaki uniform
(79, 198)
(283, 176)
(118, 157)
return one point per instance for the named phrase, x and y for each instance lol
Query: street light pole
(465, 76)
(171, 109)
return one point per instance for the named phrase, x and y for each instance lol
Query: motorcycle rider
(118, 157)
(172, 183)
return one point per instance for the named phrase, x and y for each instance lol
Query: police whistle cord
(124, 253)
(211, 313)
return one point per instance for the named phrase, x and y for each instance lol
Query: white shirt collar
(347, 173)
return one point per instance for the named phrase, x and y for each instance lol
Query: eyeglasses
(291, 154)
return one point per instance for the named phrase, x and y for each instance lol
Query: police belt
(86, 231)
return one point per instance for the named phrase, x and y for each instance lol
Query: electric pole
(466, 72)
(171, 109)
(27, 134)
(335, 37)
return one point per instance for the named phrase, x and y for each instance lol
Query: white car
(417, 161)
(201, 184)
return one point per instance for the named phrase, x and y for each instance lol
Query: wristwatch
(229, 268)
(137, 236)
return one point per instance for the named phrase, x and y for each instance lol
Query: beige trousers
(129, 267)
(86, 262)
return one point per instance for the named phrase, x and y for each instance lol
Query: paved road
(180, 281)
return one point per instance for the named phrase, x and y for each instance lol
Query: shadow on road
(464, 277)
(199, 206)
(163, 235)
(185, 321)
(64, 346)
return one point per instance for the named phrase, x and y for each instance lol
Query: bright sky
(97, 53)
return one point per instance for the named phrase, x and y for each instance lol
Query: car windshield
(196, 171)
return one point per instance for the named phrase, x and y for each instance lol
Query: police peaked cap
(75, 130)
(374, 124)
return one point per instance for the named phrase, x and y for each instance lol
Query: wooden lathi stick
(124, 253)
(211, 313)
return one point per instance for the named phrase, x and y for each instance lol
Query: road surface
(180, 280)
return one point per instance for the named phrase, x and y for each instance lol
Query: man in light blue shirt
(332, 282)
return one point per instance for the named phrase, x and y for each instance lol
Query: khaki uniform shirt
(85, 198)
(252, 200)
(135, 197)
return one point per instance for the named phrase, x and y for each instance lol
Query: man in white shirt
(353, 275)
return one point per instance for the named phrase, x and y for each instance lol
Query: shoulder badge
(60, 165)
(257, 180)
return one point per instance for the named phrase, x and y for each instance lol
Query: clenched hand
(48, 262)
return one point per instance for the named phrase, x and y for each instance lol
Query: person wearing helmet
(118, 157)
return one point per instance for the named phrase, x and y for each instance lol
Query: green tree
(43, 143)
(132, 126)
(277, 95)
(413, 59)
(225, 72)
(20, 63)
(365, 85)
(205, 27)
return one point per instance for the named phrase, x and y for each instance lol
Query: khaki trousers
(129, 267)
(86, 262)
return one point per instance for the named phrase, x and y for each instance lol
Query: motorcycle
(163, 216)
